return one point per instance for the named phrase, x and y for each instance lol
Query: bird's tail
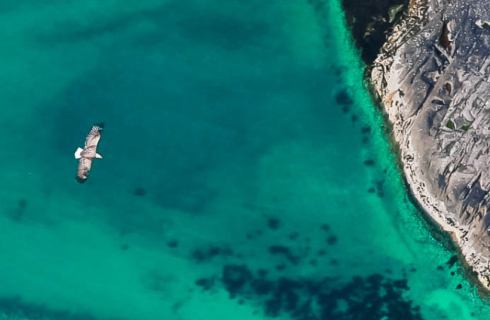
(78, 153)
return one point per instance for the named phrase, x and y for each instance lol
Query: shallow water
(246, 174)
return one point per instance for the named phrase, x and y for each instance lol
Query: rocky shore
(432, 76)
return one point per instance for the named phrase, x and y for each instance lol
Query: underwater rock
(432, 79)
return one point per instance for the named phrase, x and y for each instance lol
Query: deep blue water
(246, 174)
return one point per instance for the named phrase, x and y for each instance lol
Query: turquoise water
(246, 174)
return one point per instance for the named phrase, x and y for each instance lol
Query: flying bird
(88, 153)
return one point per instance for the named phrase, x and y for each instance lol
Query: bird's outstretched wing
(92, 141)
(84, 167)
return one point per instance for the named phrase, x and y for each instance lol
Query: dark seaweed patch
(19, 212)
(205, 283)
(22, 203)
(198, 255)
(226, 252)
(280, 250)
(19, 309)
(366, 129)
(274, 223)
(450, 263)
(261, 273)
(280, 267)
(173, 244)
(372, 297)
(294, 235)
(343, 98)
(379, 188)
(235, 277)
(139, 192)
(369, 163)
(332, 240)
(261, 286)
(202, 255)
(402, 284)
(285, 251)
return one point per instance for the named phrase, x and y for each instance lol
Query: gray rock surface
(433, 77)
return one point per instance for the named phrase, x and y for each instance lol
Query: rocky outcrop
(369, 21)
(433, 77)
